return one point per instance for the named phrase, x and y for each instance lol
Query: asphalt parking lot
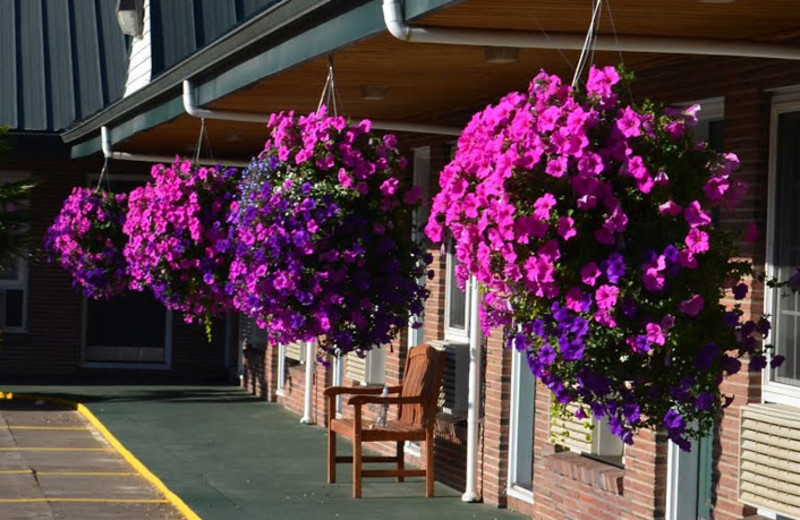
(55, 465)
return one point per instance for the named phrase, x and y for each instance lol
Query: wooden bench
(416, 400)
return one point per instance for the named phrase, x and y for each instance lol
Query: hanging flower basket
(324, 248)
(86, 240)
(178, 243)
(588, 222)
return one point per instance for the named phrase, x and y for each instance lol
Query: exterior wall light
(130, 15)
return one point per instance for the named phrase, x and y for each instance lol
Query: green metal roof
(61, 61)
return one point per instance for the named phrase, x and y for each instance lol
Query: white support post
(310, 364)
(337, 380)
(473, 403)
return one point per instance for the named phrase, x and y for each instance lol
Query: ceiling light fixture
(500, 54)
(374, 92)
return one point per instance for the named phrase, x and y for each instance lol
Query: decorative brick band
(588, 471)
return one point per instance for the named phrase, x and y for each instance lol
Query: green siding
(61, 60)
(182, 27)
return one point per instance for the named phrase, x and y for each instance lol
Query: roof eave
(126, 117)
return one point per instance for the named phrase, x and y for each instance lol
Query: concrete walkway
(230, 456)
(55, 465)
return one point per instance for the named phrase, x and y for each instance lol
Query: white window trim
(281, 370)
(450, 333)
(513, 489)
(787, 101)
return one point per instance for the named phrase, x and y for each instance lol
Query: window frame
(19, 284)
(452, 333)
(519, 369)
(421, 178)
(785, 101)
(23, 267)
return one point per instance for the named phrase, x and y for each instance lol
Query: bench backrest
(422, 377)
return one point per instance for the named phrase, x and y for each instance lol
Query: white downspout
(309, 397)
(191, 108)
(474, 397)
(108, 153)
(395, 23)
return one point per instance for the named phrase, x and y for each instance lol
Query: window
(456, 302)
(14, 276)
(14, 296)
(520, 459)
(690, 474)
(783, 248)
(421, 177)
(131, 330)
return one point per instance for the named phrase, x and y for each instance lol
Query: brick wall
(565, 485)
(52, 345)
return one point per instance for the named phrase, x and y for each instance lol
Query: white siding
(140, 62)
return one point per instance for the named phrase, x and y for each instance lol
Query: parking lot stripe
(87, 500)
(129, 457)
(51, 428)
(87, 473)
(48, 448)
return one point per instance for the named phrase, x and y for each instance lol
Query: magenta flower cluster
(588, 222)
(324, 249)
(178, 238)
(86, 240)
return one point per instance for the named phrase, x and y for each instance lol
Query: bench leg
(429, 463)
(401, 459)
(357, 466)
(331, 457)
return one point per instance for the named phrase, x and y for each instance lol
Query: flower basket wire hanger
(330, 96)
(203, 138)
(589, 44)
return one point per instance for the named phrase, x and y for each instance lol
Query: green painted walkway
(230, 456)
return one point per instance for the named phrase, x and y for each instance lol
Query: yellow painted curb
(171, 497)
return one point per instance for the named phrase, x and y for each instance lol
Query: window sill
(587, 471)
(520, 493)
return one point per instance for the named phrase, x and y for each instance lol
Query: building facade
(245, 59)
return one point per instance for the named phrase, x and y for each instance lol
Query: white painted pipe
(108, 153)
(191, 108)
(474, 394)
(309, 397)
(395, 23)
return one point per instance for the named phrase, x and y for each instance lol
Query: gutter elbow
(393, 18)
(105, 142)
(188, 99)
